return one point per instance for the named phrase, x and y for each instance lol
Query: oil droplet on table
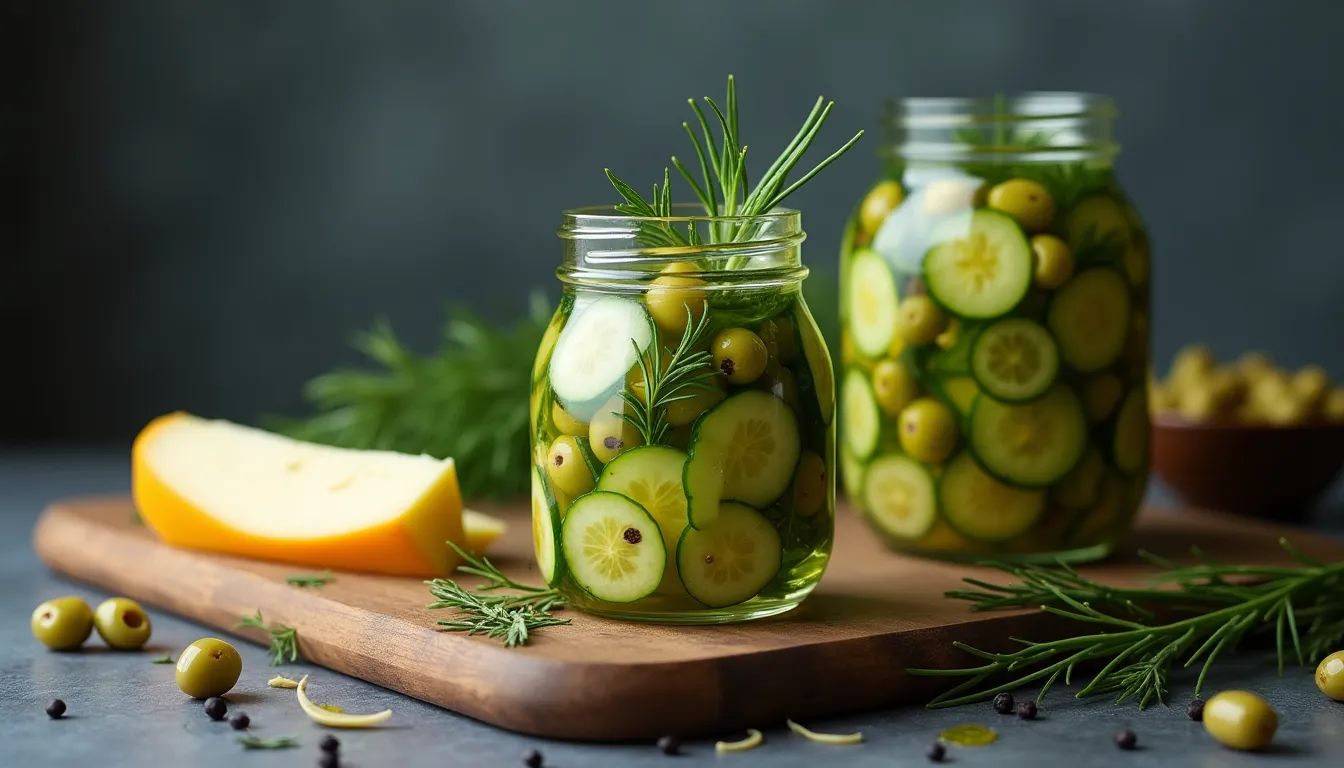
(968, 735)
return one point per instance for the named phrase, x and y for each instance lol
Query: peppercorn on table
(123, 710)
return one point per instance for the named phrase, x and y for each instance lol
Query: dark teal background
(202, 200)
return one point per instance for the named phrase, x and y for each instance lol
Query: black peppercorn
(329, 760)
(1003, 703)
(532, 759)
(56, 709)
(1126, 739)
(329, 743)
(1195, 711)
(216, 708)
(240, 721)
(937, 752)
(669, 745)
(1026, 710)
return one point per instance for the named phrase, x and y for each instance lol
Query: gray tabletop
(125, 711)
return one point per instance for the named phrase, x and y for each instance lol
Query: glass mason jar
(717, 503)
(994, 314)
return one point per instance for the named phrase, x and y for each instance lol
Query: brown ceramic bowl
(1249, 469)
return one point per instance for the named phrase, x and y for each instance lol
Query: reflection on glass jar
(994, 313)
(682, 428)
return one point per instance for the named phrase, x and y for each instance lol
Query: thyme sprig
(277, 742)
(508, 616)
(314, 581)
(284, 640)
(686, 369)
(1304, 604)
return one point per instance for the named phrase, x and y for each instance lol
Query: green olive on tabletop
(919, 320)
(1101, 394)
(63, 624)
(1330, 676)
(674, 299)
(609, 434)
(739, 355)
(928, 431)
(894, 386)
(683, 412)
(880, 201)
(208, 667)
(122, 623)
(1025, 200)
(777, 333)
(1240, 720)
(567, 424)
(1052, 262)
(809, 484)
(780, 382)
(567, 468)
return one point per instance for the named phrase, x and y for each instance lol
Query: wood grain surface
(844, 650)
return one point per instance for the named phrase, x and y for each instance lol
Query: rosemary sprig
(278, 742)
(510, 616)
(284, 640)
(316, 581)
(1304, 604)
(664, 384)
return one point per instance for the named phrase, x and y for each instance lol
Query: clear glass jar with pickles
(994, 315)
(682, 420)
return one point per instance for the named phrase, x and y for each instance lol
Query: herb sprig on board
(284, 640)
(509, 616)
(1213, 607)
(276, 742)
(314, 581)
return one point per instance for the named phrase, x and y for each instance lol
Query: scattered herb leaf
(824, 738)
(284, 640)
(277, 742)
(754, 739)
(164, 659)
(316, 581)
(280, 681)
(510, 616)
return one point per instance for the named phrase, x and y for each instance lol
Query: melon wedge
(222, 487)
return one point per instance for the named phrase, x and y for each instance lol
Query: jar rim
(943, 111)
(606, 217)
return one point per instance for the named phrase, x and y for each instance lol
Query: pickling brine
(994, 317)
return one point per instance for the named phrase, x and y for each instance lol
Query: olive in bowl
(208, 667)
(63, 624)
(122, 623)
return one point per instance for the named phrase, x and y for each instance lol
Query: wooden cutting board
(845, 650)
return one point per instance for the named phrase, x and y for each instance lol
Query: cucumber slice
(594, 352)
(1090, 319)
(732, 560)
(743, 449)
(979, 507)
(1033, 444)
(872, 302)
(1129, 445)
(898, 493)
(545, 522)
(613, 547)
(1098, 230)
(1014, 360)
(818, 360)
(547, 345)
(651, 477)
(851, 474)
(980, 266)
(861, 420)
(1081, 488)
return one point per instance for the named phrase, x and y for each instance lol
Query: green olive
(809, 484)
(63, 624)
(1053, 262)
(567, 424)
(208, 667)
(919, 320)
(683, 412)
(609, 434)
(880, 201)
(1025, 200)
(780, 382)
(672, 300)
(1330, 676)
(928, 431)
(894, 386)
(122, 623)
(777, 333)
(1101, 394)
(566, 467)
(739, 355)
(1240, 720)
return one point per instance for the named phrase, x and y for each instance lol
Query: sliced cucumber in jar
(1081, 488)
(1014, 360)
(743, 449)
(818, 361)
(595, 351)
(981, 265)
(613, 547)
(1030, 444)
(651, 477)
(981, 508)
(545, 524)
(1129, 444)
(1090, 319)
(872, 302)
(1098, 230)
(899, 494)
(861, 420)
(732, 560)
(851, 474)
